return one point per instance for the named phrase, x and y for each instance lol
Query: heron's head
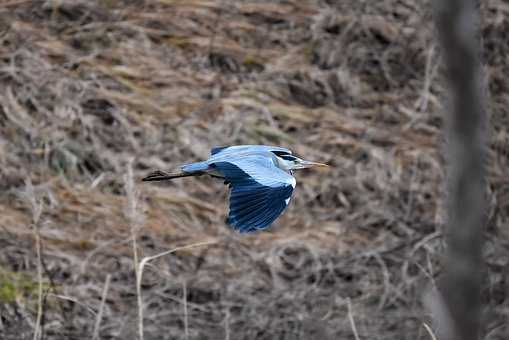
(293, 163)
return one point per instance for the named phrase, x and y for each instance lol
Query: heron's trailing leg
(163, 176)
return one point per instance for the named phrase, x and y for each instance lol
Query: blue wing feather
(262, 220)
(259, 192)
(269, 215)
(249, 212)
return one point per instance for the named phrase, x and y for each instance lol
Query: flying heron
(260, 177)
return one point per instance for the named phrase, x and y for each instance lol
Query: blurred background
(90, 90)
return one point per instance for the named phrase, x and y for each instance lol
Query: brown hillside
(89, 89)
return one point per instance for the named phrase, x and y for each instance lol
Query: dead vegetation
(86, 86)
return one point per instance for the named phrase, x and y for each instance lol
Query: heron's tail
(164, 176)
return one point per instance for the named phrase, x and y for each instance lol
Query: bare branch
(460, 285)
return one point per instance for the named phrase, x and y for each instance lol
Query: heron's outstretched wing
(260, 191)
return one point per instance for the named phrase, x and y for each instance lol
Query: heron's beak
(309, 164)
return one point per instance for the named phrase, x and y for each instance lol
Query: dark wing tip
(217, 149)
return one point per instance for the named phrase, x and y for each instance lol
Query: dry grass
(86, 86)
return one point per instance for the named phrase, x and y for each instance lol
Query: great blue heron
(260, 178)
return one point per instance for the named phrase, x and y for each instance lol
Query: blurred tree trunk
(458, 310)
